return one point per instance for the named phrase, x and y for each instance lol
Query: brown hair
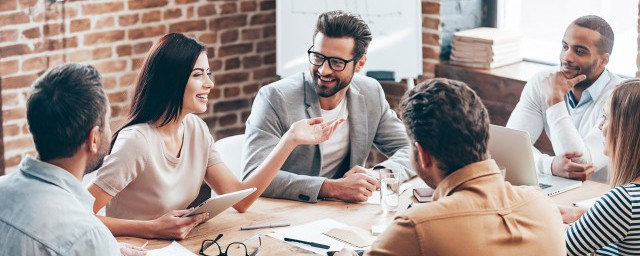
(623, 140)
(338, 24)
(448, 120)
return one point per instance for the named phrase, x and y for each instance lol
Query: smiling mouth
(203, 96)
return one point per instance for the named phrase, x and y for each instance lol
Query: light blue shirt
(44, 210)
(593, 92)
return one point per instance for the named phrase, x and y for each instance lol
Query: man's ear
(424, 159)
(93, 141)
(361, 62)
(605, 59)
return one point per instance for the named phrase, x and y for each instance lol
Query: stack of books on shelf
(485, 48)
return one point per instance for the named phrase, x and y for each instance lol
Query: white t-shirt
(336, 148)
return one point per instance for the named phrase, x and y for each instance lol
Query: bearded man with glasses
(331, 90)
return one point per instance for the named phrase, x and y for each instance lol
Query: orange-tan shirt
(475, 212)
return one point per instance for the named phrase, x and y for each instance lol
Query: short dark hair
(338, 24)
(448, 120)
(162, 79)
(64, 105)
(595, 23)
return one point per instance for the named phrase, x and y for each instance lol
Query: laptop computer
(512, 150)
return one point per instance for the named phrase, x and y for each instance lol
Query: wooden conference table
(266, 210)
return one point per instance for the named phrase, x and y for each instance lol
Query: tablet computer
(218, 204)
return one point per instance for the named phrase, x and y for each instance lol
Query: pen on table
(322, 246)
(145, 244)
(273, 225)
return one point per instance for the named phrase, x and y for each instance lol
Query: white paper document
(174, 249)
(587, 203)
(375, 196)
(312, 232)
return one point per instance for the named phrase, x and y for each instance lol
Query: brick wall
(114, 36)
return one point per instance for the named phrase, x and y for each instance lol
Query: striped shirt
(610, 227)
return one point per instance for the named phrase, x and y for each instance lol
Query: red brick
(235, 77)
(37, 63)
(146, 4)
(152, 16)
(185, 1)
(207, 10)
(251, 34)
(228, 119)
(261, 19)
(430, 8)
(251, 61)
(10, 129)
(12, 160)
(245, 116)
(264, 73)
(250, 89)
(80, 55)
(106, 22)
(127, 80)
(190, 12)
(124, 50)
(111, 66)
(228, 22)
(248, 6)
(63, 43)
(13, 114)
(118, 96)
(215, 93)
(12, 99)
(232, 63)
(145, 32)
(235, 49)
(269, 58)
(25, 142)
(89, 9)
(13, 50)
(109, 82)
(210, 120)
(269, 31)
(268, 5)
(101, 53)
(172, 13)
(266, 46)
(208, 38)
(211, 52)
(430, 53)
(431, 39)
(142, 47)
(31, 33)
(104, 37)
(80, 25)
(229, 36)
(431, 23)
(128, 20)
(8, 67)
(227, 8)
(52, 29)
(13, 18)
(215, 65)
(8, 5)
(225, 106)
(9, 35)
(230, 92)
(55, 60)
(188, 26)
(27, 3)
(137, 63)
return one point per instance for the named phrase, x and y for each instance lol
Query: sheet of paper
(174, 249)
(375, 196)
(312, 232)
(587, 203)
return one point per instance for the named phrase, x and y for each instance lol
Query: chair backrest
(230, 150)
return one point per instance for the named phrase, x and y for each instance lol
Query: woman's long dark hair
(160, 84)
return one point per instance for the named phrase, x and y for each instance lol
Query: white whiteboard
(396, 26)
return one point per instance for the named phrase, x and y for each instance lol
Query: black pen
(322, 246)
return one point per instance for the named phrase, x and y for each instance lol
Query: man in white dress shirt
(567, 102)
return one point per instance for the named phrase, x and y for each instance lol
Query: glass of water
(389, 190)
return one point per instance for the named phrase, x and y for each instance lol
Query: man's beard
(96, 162)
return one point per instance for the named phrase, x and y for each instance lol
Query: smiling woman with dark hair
(164, 152)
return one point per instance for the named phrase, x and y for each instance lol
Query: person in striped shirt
(612, 225)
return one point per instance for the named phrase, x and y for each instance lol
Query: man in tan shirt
(475, 212)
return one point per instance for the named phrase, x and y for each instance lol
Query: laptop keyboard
(543, 186)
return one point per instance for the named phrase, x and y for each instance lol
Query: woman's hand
(173, 225)
(312, 131)
(571, 214)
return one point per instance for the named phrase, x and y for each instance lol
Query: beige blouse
(147, 182)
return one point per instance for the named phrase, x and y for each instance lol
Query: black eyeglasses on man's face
(335, 63)
(250, 247)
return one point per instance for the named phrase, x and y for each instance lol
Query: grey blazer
(291, 99)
